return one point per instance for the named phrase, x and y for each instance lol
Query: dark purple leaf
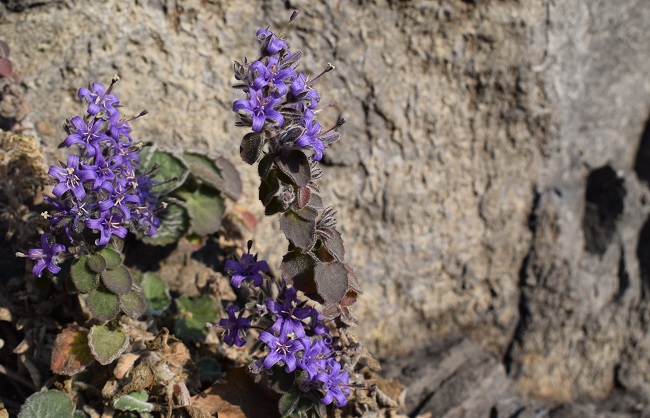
(264, 167)
(331, 281)
(276, 205)
(302, 197)
(298, 269)
(301, 232)
(307, 213)
(333, 243)
(251, 147)
(268, 189)
(295, 165)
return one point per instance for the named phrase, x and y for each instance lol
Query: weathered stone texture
(461, 179)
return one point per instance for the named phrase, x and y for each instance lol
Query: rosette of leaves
(198, 187)
(315, 262)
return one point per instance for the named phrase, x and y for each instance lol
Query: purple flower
(71, 178)
(87, 135)
(289, 316)
(261, 108)
(99, 101)
(304, 96)
(272, 75)
(104, 173)
(282, 349)
(46, 256)
(335, 382)
(271, 44)
(310, 138)
(119, 199)
(314, 357)
(107, 224)
(234, 327)
(247, 268)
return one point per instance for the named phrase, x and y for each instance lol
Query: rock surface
(492, 180)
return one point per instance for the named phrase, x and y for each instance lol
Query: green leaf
(251, 147)
(84, 279)
(204, 168)
(295, 165)
(118, 280)
(96, 263)
(103, 304)
(205, 207)
(169, 167)
(298, 269)
(301, 232)
(133, 304)
(193, 314)
(112, 258)
(156, 292)
(288, 402)
(106, 345)
(134, 401)
(174, 224)
(70, 352)
(209, 370)
(50, 404)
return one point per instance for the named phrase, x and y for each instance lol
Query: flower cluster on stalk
(98, 188)
(279, 97)
(294, 335)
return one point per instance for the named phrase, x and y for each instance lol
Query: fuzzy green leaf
(112, 258)
(133, 304)
(107, 345)
(84, 279)
(156, 292)
(50, 404)
(174, 224)
(205, 207)
(70, 352)
(193, 313)
(169, 167)
(288, 402)
(118, 280)
(134, 401)
(96, 263)
(217, 172)
(103, 304)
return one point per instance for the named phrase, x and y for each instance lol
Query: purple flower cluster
(279, 98)
(296, 339)
(98, 188)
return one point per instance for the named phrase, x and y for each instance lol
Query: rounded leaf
(169, 167)
(205, 207)
(96, 263)
(112, 257)
(6, 69)
(84, 279)
(251, 147)
(133, 304)
(106, 345)
(118, 280)
(194, 312)
(156, 292)
(50, 404)
(103, 304)
(70, 352)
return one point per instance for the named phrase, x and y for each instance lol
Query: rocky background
(491, 183)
